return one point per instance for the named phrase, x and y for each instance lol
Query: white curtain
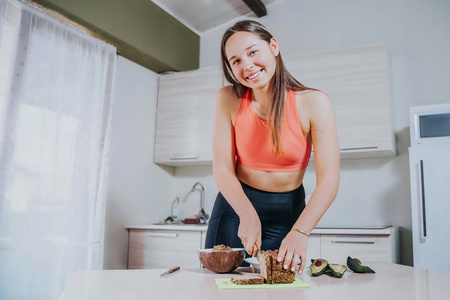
(55, 102)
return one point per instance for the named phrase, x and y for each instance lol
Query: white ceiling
(201, 16)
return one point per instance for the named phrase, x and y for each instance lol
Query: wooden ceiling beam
(257, 7)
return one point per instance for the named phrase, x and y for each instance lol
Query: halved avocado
(356, 266)
(337, 270)
(318, 266)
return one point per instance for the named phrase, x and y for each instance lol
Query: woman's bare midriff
(270, 181)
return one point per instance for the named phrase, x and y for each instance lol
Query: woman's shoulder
(227, 102)
(227, 96)
(313, 105)
(312, 98)
(227, 91)
(310, 95)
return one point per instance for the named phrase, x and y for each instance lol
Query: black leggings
(277, 212)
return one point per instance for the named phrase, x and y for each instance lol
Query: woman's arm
(224, 162)
(327, 163)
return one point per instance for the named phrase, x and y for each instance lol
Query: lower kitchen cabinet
(161, 246)
(381, 245)
(336, 248)
(149, 249)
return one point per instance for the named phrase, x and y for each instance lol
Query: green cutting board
(227, 284)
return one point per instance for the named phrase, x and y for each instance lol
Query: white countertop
(390, 282)
(203, 227)
(187, 227)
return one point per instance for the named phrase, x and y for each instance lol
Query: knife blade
(174, 269)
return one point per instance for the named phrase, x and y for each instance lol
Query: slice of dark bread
(265, 265)
(271, 270)
(247, 279)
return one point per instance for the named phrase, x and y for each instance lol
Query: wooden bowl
(221, 261)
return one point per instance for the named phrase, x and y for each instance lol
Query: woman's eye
(253, 52)
(236, 61)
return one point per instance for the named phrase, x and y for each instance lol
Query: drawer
(163, 249)
(336, 248)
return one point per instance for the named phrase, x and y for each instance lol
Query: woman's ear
(274, 46)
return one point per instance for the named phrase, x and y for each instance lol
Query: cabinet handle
(161, 234)
(354, 240)
(424, 216)
(180, 157)
(359, 147)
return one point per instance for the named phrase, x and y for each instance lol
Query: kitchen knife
(257, 250)
(174, 269)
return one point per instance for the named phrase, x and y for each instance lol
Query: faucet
(202, 199)
(203, 216)
(177, 202)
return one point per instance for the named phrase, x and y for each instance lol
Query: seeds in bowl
(222, 247)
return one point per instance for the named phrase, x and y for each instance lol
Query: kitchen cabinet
(165, 246)
(365, 244)
(356, 80)
(339, 247)
(184, 122)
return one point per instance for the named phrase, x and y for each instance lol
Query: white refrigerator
(430, 206)
(429, 162)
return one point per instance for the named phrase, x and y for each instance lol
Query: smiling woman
(265, 125)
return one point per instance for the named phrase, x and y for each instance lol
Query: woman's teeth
(255, 75)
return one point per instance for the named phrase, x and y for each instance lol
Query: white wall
(138, 192)
(373, 192)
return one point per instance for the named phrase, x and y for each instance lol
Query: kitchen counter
(391, 281)
(204, 227)
(187, 227)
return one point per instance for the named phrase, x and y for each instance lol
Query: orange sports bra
(254, 143)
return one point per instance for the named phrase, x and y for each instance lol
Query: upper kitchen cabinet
(184, 123)
(356, 80)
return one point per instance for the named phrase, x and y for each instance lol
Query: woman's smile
(255, 75)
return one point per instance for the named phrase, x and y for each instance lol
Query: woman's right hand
(250, 232)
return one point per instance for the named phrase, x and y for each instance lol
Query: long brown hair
(281, 81)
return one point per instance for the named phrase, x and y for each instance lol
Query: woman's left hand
(292, 250)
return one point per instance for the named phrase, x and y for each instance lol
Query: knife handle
(174, 269)
(255, 252)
